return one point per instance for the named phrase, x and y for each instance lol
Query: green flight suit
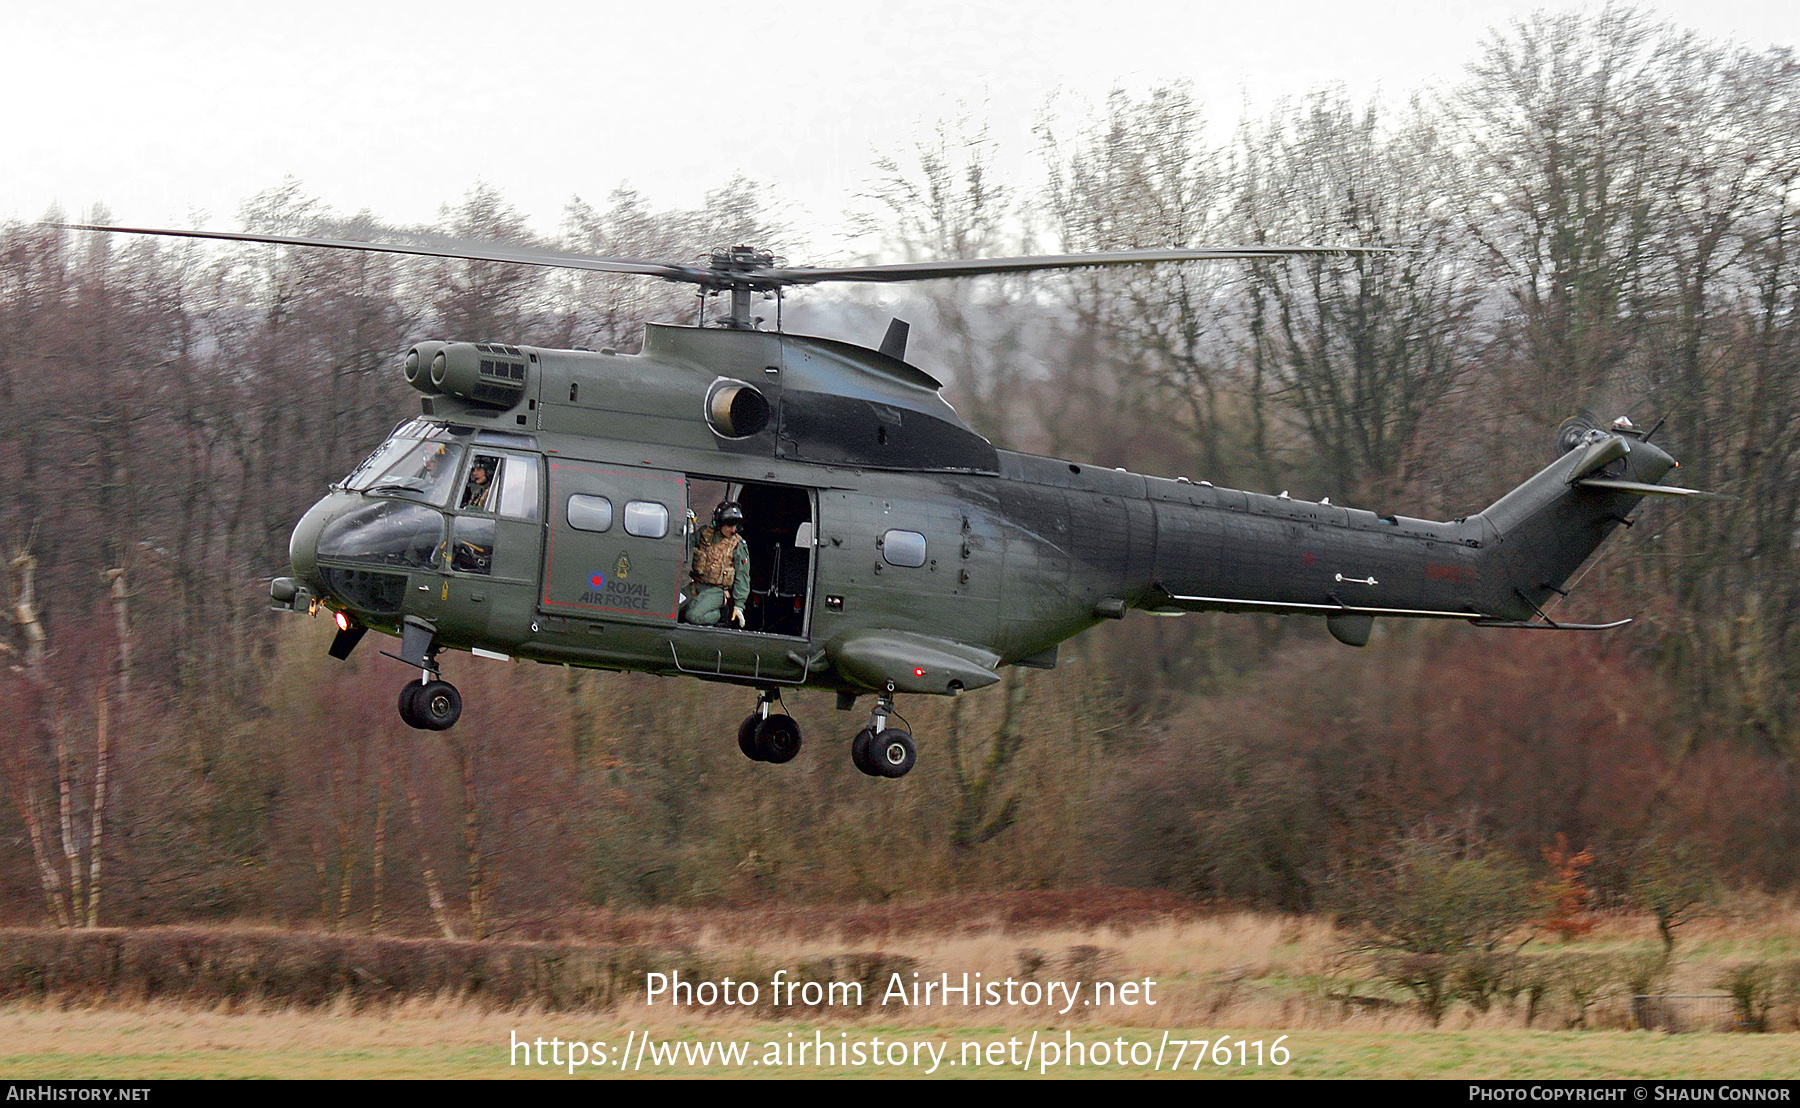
(707, 606)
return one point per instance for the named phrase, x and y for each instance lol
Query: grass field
(1224, 979)
(427, 1041)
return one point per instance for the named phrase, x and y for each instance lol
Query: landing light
(343, 622)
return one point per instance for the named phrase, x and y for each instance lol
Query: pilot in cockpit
(475, 493)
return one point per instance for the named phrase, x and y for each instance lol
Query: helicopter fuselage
(545, 504)
(892, 549)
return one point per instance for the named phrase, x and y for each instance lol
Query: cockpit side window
(519, 491)
(472, 545)
(481, 492)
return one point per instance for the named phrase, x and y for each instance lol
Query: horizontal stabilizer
(1642, 489)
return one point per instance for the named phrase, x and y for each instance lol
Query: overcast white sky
(175, 113)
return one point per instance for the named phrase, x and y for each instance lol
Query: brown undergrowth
(1123, 910)
(1208, 967)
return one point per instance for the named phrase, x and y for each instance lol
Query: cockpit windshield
(364, 475)
(426, 472)
(405, 438)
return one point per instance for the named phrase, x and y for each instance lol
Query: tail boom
(1497, 568)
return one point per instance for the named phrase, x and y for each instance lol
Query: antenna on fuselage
(893, 344)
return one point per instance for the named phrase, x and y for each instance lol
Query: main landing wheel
(777, 739)
(892, 753)
(765, 736)
(747, 736)
(407, 692)
(431, 706)
(859, 752)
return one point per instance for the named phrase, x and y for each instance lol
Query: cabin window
(903, 548)
(519, 492)
(646, 519)
(590, 513)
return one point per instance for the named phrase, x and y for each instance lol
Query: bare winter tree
(604, 309)
(1637, 207)
(41, 769)
(941, 199)
(476, 301)
(1719, 362)
(1359, 349)
(1143, 176)
(1562, 117)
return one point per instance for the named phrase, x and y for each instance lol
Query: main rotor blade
(723, 274)
(975, 267)
(432, 246)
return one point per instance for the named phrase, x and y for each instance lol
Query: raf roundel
(597, 581)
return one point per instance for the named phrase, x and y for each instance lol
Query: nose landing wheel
(765, 737)
(430, 705)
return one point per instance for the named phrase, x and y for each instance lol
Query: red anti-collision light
(917, 672)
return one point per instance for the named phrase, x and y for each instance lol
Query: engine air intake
(488, 374)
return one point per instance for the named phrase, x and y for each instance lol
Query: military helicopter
(544, 505)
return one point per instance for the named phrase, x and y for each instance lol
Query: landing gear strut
(882, 751)
(766, 737)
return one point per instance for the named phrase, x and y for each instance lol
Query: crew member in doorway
(720, 570)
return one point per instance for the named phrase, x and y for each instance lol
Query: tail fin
(1535, 537)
